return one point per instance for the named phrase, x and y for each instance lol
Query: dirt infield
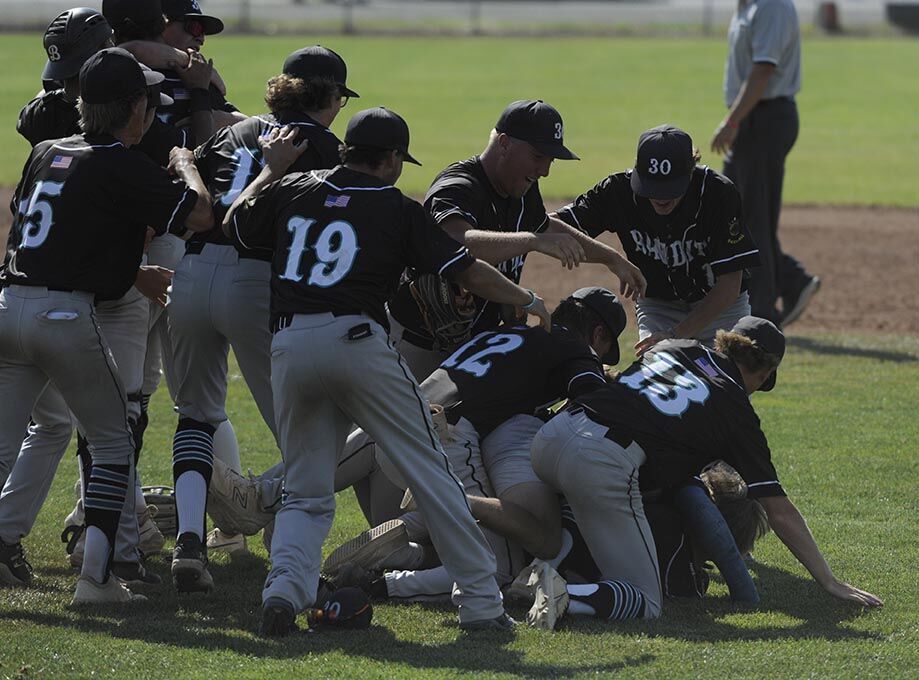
(867, 258)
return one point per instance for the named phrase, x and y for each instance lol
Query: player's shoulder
(466, 173)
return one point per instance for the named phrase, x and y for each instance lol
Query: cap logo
(54, 54)
(195, 7)
(659, 167)
(558, 130)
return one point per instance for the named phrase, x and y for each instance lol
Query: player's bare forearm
(182, 165)
(751, 91)
(495, 247)
(720, 297)
(263, 179)
(792, 530)
(155, 55)
(594, 251)
(515, 523)
(487, 282)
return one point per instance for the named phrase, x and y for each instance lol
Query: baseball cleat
(369, 549)
(503, 623)
(189, 565)
(151, 539)
(15, 570)
(796, 305)
(134, 574)
(278, 618)
(550, 597)
(520, 589)
(232, 544)
(113, 591)
(234, 501)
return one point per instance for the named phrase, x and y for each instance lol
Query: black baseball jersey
(685, 405)
(82, 209)
(50, 116)
(340, 241)
(180, 109)
(512, 370)
(232, 158)
(682, 253)
(463, 189)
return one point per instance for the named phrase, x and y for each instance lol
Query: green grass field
(843, 431)
(857, 144)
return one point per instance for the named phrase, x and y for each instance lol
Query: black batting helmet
(72, 38)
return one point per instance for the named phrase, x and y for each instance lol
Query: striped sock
(192, 465)
(617, 600)
(103, 502)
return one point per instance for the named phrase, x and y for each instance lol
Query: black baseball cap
(538, 124)
(664, 163)
(310, 62)
(767, 337)
(139, 11)
(114, 73)
(176, 10)
(606, 305)
(379, 128)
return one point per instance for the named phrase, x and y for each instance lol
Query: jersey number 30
(667, 385)
(335, 251)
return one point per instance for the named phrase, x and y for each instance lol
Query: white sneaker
(232, 544)
(234, 501)
(369, 549)
(151, 539)
(89, 591)
(520, 588)
(550, 597)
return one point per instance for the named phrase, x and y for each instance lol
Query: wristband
(528, 306)
(199, 100)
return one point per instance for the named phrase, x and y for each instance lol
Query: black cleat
(503, 624)
(278, 618)
(134, 574)
(14, 569)
(794, 305)
(189, 565)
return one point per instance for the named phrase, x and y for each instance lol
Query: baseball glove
(448, 311)
(162, 503)
(723, 481)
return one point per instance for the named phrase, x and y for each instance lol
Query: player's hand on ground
(179, 157)
(280, 148)
(632, 283)
(539, 310)
(724, 137)
(153, 282)
(643, 346)
(562, 247)
(197, 74)
(844, 591)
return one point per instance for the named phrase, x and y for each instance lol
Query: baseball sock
(192, 464)
(606, 600)
(567, 545)
(103, 502)
(226, 448)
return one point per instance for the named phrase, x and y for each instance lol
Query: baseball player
(681, 225)
(220, 294)
(70, 39)
(491, 202)
(55, 271)
(340, 240)
(679, 407)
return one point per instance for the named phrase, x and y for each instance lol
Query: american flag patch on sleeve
(706, 367)
(61, 162)
(340, 201)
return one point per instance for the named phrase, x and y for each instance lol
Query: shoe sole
(804, 299)
(8, 578)
(190, 576)
(549, 590)
(367, 548)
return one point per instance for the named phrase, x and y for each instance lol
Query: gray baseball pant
(319, 377)
(599, 479)
(655, 315)
(165, 251)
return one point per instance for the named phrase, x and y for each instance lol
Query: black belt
(196, 247)
(417, 339)
(774, 100)
(282, 321)
(622, 440)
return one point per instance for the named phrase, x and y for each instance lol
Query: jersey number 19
(335, 250)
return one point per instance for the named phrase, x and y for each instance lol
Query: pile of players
(156, 227)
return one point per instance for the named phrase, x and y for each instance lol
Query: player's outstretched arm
(182, 165)
(487, 282)
(159, 55)
(790, 527)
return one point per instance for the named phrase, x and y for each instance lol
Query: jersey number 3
(335, 251)
(667, 385)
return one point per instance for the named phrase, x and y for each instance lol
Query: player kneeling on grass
(55, 272)
(678, 408)
(341, 239)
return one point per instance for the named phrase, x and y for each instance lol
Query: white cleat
(234, 501)
(232, 544)
(550, 597)
(113, 591)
